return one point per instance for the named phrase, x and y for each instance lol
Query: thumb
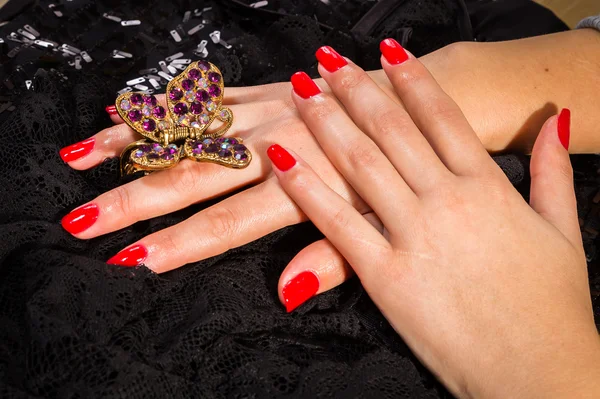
(552, 188)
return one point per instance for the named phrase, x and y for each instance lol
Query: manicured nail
(330, 59)
(129, 257)
(564, 127)
(393, 52)
(299, 290)
(77, 150)
(280, 157)
(111, 110)
(304, 86)
(80, 219)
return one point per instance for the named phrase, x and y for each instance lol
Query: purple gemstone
(157, 148)
(239, 148)
(194, 74)
(224, 153)
(175, 94)
(152, 156)
(136, 99)
(196, 108)
(187, 84)
(214, 91)
(180, 109)
(206, 142)
(149, 125)
(135, 115)
(211, 149)
(197, 147)
(159, 112)
(150, 100)
(202, 96)
(214, 77)
(203, 65)
(228, 140)
(145, 148)
(167, 156)
(240, 156)
(171, 149)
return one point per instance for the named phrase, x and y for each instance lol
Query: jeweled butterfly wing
(195, 96)
(228, 151)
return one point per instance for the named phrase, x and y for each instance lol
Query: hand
(489, 292)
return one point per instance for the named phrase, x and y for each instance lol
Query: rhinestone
(184, 120)
(163, 125)
(136, 99)
(196, 108)
(135, 115)
(149, 125)
(187, 84)
(239, 148)
(202, 83)
(180, 108)
(211, 149)
(167, 156)
(125, 105)
(196, 125)
(224, 153)
(240, 156)
(175, 94)
(203, 65)
(224, 114)
(214, 91)
(202, 96)
(204, 119)
(152, 156)
(146, 110)
(171, 149)
(150, 100)
(211, 106)
(157, 148)
(214, 77)
(159, 112)
(194, 74)
(206, 142)
(190, 96)
(139, 153)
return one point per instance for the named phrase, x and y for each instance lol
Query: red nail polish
(564, 127)
(330, 59)
(77, 150)
(282, 159)
(80, 219)
(111, 110)
(393, 52)
(131, 256)
(299, 289)
(304, 86)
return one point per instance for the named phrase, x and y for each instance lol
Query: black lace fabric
(73, 327)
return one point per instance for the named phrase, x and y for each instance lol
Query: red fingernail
(564, 127)
(304, 86)
(80, 219)
(393, 52)
(299, 290)
(129, 257)
(280, 157)
(77, 150)
(330, 59)
(111, 109)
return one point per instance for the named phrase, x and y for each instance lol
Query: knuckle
(410, 76)
(321, 109)
(121, 199)
(361, 156)
(440, 109)
(172, 244)
(388, 123)
(184, 178)
(222, 223)
(352, 79)
(338, 222)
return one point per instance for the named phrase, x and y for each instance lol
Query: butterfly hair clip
(194, 100)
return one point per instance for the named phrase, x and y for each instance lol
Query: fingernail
(304, 86)
(393, 52)
(111, 110)
(564, 127)
(299, 290)
(330, 59)
(129, 257)
(80, 219)
(282, 159)
(77, 150)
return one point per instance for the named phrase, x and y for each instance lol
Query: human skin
(506, 91)
(490, 292)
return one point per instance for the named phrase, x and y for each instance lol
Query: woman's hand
(469, 72)
(490, 292)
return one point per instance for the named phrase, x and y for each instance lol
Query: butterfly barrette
(194, 101)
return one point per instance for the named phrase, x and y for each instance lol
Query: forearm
(507, 90)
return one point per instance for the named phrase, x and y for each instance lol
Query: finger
(436, 115)
(111, 141)
(354, 237)
(261, 93)
(383, 120)
(353, 153)
(231, 223)
(552, 188)
(327, 266)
